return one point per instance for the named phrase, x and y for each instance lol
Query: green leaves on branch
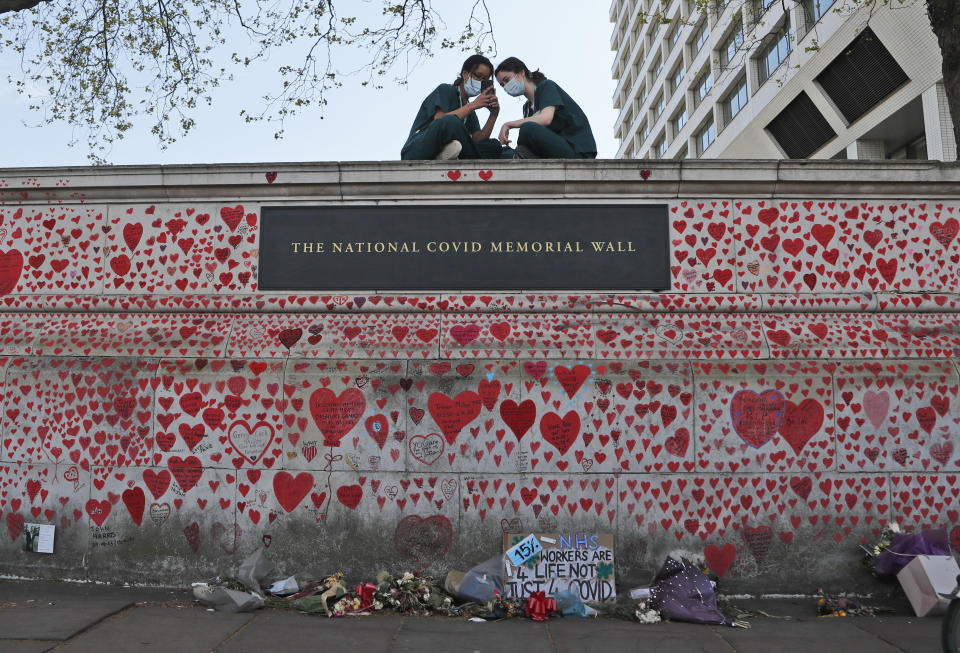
(101, 65)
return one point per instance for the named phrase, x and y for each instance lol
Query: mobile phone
(486, 86)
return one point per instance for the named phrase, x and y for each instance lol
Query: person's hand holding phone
(487, 100)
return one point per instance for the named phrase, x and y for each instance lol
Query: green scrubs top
(446, 98)
(569, 120)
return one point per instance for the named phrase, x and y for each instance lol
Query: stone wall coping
(532, 180)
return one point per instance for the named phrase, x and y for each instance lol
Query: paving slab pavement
(271, 630)
(427, 634)
(42, 616)
(604, 635)
(58, 620)
(159, 630)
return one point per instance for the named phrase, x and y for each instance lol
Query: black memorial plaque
(482, 246)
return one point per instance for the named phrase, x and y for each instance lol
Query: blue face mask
(472, 87)
(515, 87)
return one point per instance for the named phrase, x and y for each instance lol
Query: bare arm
(542, 117)
(494, 108)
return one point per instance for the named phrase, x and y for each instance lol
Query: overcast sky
(568, 39)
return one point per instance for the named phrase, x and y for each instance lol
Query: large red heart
(98, 511)
(677, 444)
(423, 540)
(758, 540)
(571, 379)
(465, 333)
(451, 415)
(489, 391)
(135, 501)
(157, 482)
(14, 525)
(756, 417)
(11, 265)
(378, 428)
(719, 560)
(291, 489)
(945, 231)
(187, 471)
(132, 234)
(801, 422)
(334, 415)
(231, 215)
(561, 433)
(519, 417)
(350, 495)
(289, 337)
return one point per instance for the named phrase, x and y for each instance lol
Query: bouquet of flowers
(411, 594)
(646, 614)
(885, 539)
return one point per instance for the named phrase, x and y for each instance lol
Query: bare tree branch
(100, 65)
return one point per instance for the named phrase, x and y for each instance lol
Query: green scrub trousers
(426, 145)
(546, 144)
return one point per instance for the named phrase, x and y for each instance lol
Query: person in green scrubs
(553, 125)
(447, 127)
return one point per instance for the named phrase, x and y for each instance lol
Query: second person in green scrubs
(553, 125)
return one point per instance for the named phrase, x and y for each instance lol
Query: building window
(735, 101)
(815, 9)
(775, 52)
(640, 97)
(705, 138)
(644, 131)
(677, 77)
(731, 44)
(862, 76)
(702, 86)
(679, 121)
(700, 37)
(721, 5)
(661, 148)
(762, 6)
(674, 36)
(658, 108)
(658, 67)
(800, 129)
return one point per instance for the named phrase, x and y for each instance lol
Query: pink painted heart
(876, 405)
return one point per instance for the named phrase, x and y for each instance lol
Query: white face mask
(472, 87)
(515, 87)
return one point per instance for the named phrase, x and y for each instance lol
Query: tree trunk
(17, 5)
(945, 20)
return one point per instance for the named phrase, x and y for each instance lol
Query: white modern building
(779, 79)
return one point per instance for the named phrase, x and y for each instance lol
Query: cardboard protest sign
(580, 562)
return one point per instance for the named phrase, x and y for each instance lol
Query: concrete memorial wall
(794, 389)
